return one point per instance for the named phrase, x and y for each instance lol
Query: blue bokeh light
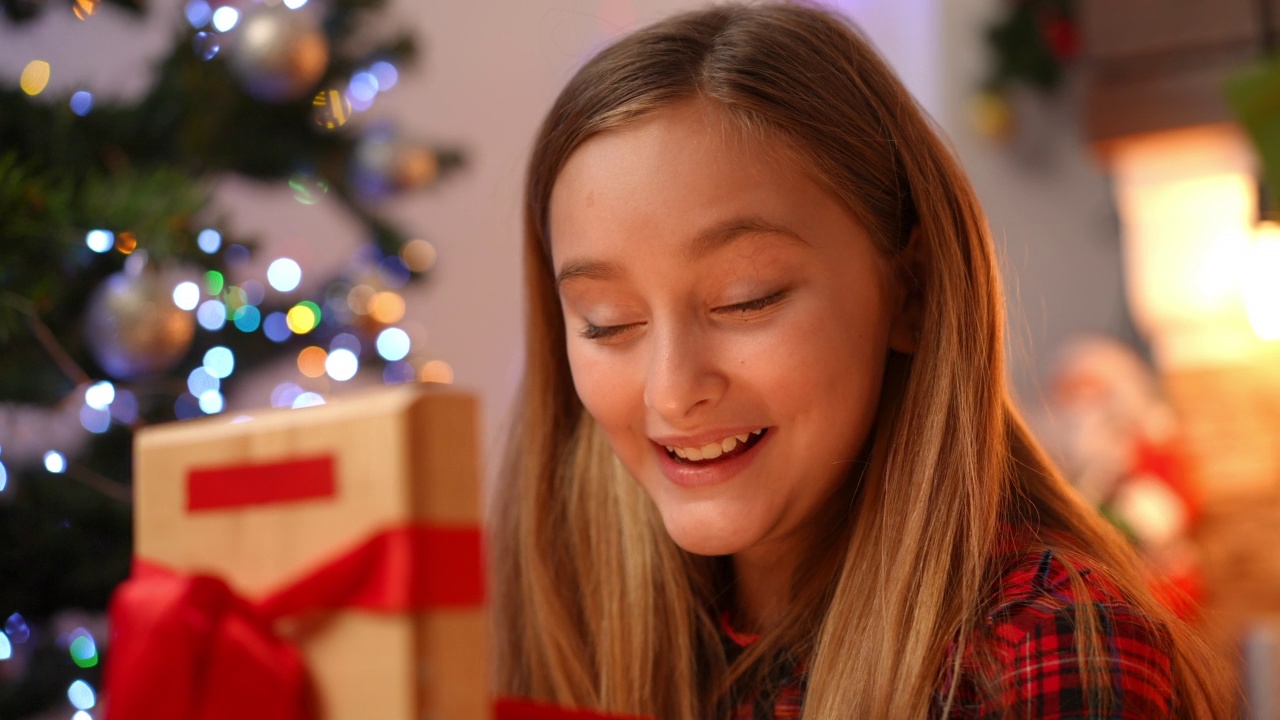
(100, 241)
(393, 344)
(198, 13)
(276, 327)
(81, 695)
(81, 102)
(212, 315)
(219, 361)
(209, 240)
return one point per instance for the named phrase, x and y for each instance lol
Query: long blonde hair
(595, 605)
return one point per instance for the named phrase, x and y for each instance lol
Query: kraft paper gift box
(260, 502)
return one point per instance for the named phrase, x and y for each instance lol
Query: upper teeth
(713, 450)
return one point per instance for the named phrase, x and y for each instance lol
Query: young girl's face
(728, 322)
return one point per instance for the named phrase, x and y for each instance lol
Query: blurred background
(213, 206)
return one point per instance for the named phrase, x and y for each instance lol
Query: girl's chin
(702, 538)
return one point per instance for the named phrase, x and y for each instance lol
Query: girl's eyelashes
(606, 332)
(753, 305)
(596, 332)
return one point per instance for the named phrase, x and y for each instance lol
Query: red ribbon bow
(186, 646)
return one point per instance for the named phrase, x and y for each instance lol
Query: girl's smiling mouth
(731, 446)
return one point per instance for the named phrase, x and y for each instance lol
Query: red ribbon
(186, 646)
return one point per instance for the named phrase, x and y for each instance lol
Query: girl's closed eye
(590, 331)
(754, 305)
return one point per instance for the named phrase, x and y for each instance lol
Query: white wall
(489, 71)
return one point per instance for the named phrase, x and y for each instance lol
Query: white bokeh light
(342, 364)
(186, 295)
(284, 274)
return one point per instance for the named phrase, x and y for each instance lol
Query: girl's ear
(908, 295)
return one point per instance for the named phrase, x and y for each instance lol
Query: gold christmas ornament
(279, 54)
(134, 329)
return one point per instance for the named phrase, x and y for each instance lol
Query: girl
(766, 464)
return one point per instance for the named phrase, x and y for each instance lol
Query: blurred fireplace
(1203, 280)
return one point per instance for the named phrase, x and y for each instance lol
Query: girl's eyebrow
(706, 242)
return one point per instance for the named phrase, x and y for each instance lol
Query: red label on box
(260, 484)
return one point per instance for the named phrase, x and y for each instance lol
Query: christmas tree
(120, 304)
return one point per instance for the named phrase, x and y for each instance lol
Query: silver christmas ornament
(279, 54)
(134, 329)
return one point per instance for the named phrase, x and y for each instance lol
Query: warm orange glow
(419, 255)
(436, 371)
(126, 242)
(1261, 282)
(386, 307)
(359, 298)
(84, 8)
(311, 361)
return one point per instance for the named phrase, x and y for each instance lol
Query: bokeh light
(6, 648)
(100, 395)
(330, 109)
(311, 361)
(206, 45)
(100, 241)
(186, 295)
(302, 318)
(84, 8)
(236, 254)
(219, 362)
(307, 189)
(308, 399)
(212, 315)
(386, 74)
(276, 327)
(187, 407)
(15, 626)
(198, 13)
(35, 77)
(4, 482)
(386, 307)
(359, 299)
(419, 255)
(393, 344)
(54, 462)
(363, 87)
(199, 381)
(398, 372)
(436, 371)
(393, 271)
(225, 18)
(95, 420)
(126, 242)
(342, 365)
(81, 715)
(209, 240)
(214, 282)
(294, 4)
(283, 395)
(125, 408)
(81, 695)
(345, 341)
(254, 292)
(84, 651)
(284, 274)
(211, 402)
(247, 318)
(81, 102)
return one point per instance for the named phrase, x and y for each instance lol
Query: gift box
(316, 563)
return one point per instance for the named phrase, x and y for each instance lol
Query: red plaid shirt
(1023, 662)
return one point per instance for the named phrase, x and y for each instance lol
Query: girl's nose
(683, 376)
